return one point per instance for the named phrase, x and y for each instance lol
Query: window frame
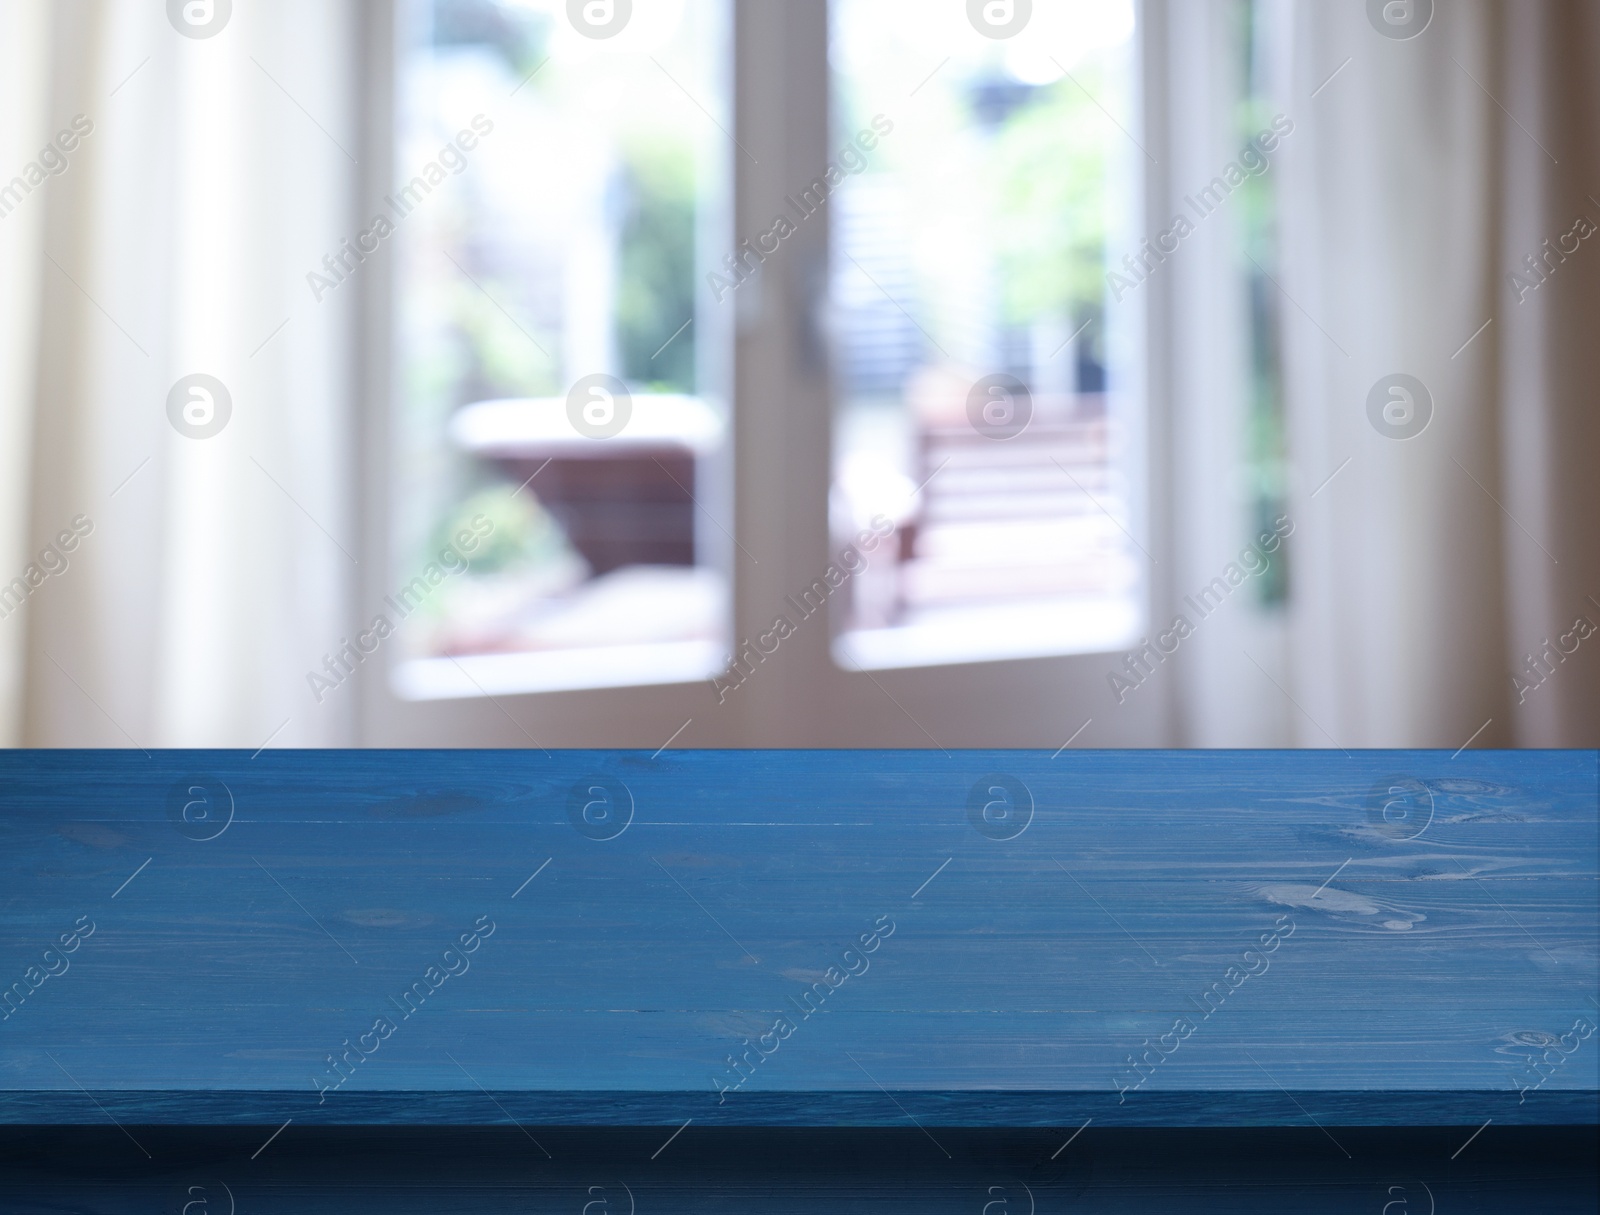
(781, 425)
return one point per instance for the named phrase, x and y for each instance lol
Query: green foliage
(655, 289)
(1256, 210)
(525, 536)
(1050, 160)
(503, 360)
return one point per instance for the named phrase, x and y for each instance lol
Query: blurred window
(981, 387)
(562, 511)
(561, 428)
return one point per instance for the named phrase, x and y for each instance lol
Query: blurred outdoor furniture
(624, 500)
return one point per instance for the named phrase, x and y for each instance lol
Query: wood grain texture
(1436, 922)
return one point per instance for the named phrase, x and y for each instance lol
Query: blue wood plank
(793, 938)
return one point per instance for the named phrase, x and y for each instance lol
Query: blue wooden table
(764, 939)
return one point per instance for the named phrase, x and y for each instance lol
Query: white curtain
(1421, 176)
(209, 573)
(22, 105)
(1420, 173)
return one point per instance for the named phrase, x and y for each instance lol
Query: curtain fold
(158, 588)
(1549, 424)
(23, 72)
(1427, 566)
(210, 564)
(1388, 239)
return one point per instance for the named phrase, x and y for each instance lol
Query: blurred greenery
(1051, 162)
(1265, 441)
(524, 536)
(501, 360)
(655, 288)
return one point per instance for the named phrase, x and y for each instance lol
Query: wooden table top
(763, 938)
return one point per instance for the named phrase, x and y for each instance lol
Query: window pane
(561, 442)
(985, 179)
